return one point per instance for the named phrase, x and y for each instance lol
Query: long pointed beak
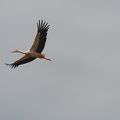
(14, 51)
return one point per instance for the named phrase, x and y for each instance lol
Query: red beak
(14, 51)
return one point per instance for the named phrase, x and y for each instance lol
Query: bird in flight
(37, 47)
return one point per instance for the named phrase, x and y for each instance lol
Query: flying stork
(37, 47)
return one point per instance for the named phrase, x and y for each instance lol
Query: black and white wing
(22, 60)
(41, 37)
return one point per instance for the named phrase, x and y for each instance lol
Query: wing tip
(11, 65)
(42, 25)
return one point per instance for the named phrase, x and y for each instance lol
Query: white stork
(37, 47)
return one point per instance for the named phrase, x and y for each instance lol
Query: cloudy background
(83, 80)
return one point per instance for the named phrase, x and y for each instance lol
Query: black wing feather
(41, 36)
(23, 60)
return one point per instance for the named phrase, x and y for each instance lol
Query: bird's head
(14, 51)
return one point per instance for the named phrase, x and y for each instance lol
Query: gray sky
(82, 82)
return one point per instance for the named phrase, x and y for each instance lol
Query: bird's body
(37, 47)
(35, 54)
(32, 54)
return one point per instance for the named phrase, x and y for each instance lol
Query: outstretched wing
(41, 36)
(23, 60)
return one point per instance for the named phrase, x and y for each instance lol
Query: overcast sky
(82, 82)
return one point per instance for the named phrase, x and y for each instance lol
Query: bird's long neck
(22, 52)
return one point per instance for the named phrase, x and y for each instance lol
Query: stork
(37, 47)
